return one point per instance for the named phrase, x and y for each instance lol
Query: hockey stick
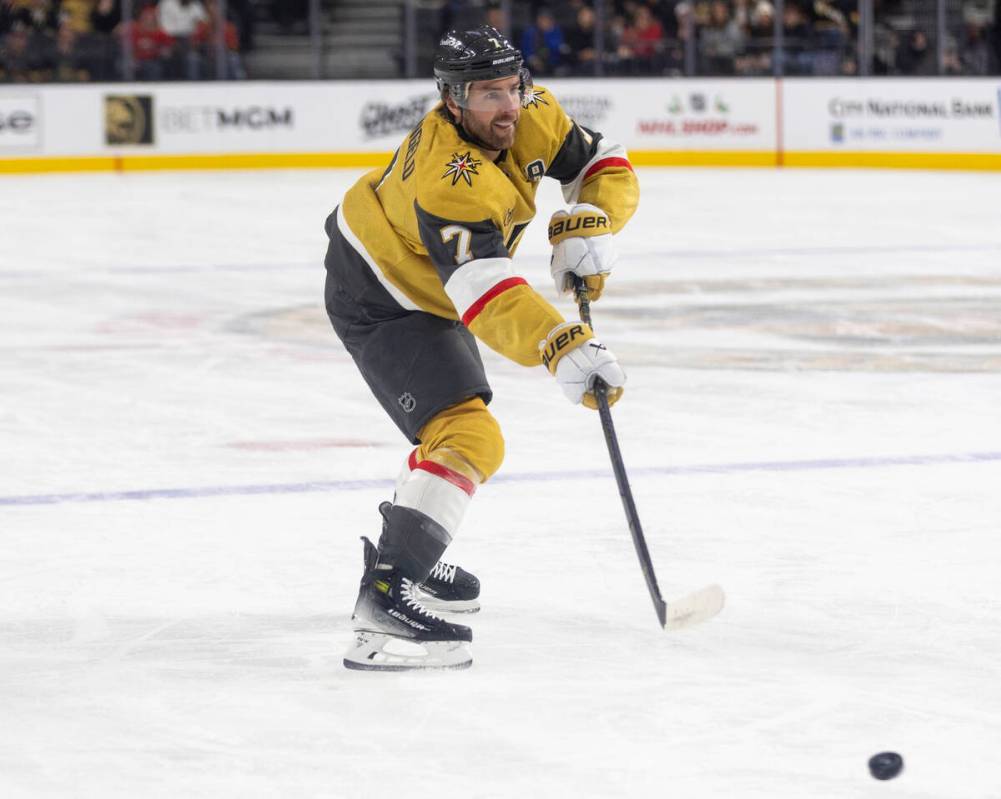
(688, 610)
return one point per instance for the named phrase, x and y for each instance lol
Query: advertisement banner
(374, 116)
(926, 116)
(670, 121)
(676, 114)
(20, 122)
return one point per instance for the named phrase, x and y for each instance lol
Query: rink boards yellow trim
(135, 163)
(819, 159)
(685, 158)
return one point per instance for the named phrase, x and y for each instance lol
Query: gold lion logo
(128, 119)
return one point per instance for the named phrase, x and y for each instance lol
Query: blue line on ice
(523, 477)
(741, 252)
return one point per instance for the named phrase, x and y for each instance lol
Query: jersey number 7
(463, 236)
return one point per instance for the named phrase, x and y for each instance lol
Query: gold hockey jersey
(438, 227)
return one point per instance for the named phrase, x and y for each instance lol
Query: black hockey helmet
(483, 53)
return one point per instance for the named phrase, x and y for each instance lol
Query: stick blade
(695, 608)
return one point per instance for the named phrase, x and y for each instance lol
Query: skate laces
(444, 572)
(410, 596)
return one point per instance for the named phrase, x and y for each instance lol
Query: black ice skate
(449, 588)
(394, 631)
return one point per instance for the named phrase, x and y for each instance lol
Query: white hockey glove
(575, 358)
(582, 246)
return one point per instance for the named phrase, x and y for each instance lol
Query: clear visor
(504, 94)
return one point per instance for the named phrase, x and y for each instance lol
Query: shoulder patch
(462, 167)
(536, 170)
(533, 97)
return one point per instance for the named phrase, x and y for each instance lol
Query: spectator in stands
(952, 60)
(684, 13)
(614, 28)
(102, 46)
(178, 19)
(720, 41)
(105, 16)
(675, 54)
(829, 33)
(68, 56)
(14, 59)
(580, 43)
(37, 16)
(915, 57)
(642, 43)
(205, 39)
(496, 17)
(542, 44)
(152, 46)
(26, 52)
(796, 40)
(975, 52)
(756, 58)
(73, 49)
(664, 12)
(76, 14)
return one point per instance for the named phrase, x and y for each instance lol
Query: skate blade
(380, 652)
(695, 608)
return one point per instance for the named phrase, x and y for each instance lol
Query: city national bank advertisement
(910, 116)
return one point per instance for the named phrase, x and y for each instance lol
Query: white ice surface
(188, 459)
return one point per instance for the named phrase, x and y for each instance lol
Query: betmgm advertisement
(189, 123)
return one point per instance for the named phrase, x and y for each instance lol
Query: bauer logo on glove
(577, 359)
(582, 246)
(587, 223)
(565, 338)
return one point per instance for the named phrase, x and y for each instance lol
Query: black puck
(886, 765)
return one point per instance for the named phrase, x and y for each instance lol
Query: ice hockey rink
(812, 420)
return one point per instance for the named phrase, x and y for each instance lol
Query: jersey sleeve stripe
(605, 163)
(355, 242)
(607, 151)
(456, 479)
(474, 278)
(474, 310)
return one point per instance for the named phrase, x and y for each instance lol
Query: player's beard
(493, 137)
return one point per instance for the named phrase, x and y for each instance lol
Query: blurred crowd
(737, 37)
(81, 40)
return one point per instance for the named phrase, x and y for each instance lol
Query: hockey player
(419, 266)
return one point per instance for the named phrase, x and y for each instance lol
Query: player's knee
(490, 447)
(467, 431)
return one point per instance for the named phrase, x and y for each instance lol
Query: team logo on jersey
(533, 97)
(536, 170)
(462, 167)
(407, 402)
